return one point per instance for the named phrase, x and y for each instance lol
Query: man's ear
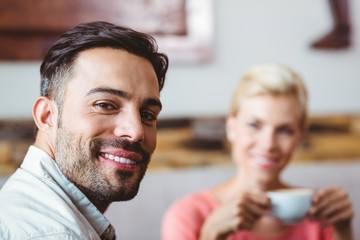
(44, 113)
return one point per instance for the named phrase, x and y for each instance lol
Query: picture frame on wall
(182, 28)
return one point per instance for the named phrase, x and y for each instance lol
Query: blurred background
(242, 33)
(210, 44)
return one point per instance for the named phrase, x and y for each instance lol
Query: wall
(246, 32)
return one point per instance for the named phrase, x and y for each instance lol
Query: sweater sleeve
(184, 219)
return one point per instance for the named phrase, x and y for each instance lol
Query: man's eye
(105, 105)
(148, 116)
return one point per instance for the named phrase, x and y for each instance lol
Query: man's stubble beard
(78, 162)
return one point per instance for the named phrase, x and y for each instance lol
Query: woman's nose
(268, 140)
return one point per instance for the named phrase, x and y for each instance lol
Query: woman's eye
(254, 125)
(286, 130)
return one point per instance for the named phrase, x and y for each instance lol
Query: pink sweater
(184, 219)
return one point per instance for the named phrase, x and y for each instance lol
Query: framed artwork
(183, 28)
(196, 45)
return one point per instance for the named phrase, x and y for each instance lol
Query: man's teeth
(119, 159)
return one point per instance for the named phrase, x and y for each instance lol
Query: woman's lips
(264, 162)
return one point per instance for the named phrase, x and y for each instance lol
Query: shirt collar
(40, 163)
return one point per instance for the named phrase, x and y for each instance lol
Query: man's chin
(126, 197)
(128, 185)
(125, 193)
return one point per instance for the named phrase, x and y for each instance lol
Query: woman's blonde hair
(274, 80)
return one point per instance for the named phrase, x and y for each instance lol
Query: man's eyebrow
(111, 91)
(153, 102)
(119, 93)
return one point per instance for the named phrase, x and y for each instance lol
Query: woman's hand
(238, 214)
(332, 206)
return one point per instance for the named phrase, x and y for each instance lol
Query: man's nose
(130, 126)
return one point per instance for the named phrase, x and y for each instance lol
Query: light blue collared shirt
(39, 202)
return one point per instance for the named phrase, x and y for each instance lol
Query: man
(96, 120)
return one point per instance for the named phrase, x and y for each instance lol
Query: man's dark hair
(58, 63)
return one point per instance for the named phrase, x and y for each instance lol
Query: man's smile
(118, 159)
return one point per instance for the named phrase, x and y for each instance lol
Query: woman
(265, 125)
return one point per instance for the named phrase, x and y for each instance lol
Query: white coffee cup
(291, 205)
